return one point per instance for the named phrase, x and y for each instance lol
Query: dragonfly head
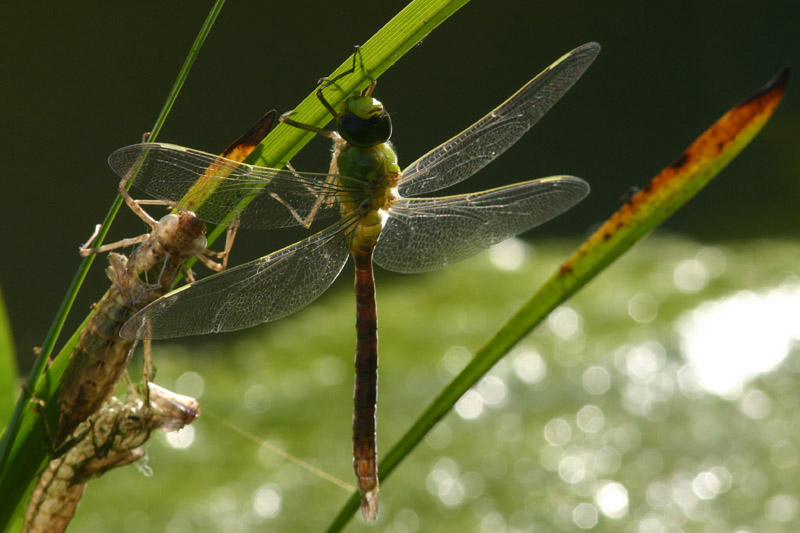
(364, 122)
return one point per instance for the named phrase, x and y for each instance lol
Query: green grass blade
(380, 52)
(374, 57)
(187, 66)
(667, 192)
(28, 452)
(8, 366)
(15, 433)
(21, 444)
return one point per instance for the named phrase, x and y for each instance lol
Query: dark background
(82, 79)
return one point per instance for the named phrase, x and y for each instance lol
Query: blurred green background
(81, 80)
(661, 398)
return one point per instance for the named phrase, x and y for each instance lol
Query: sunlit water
(662, 399)
(732, 340)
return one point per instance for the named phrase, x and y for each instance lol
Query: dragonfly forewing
(216, 188)
(465, 154)
(423, 234)
(263, 290)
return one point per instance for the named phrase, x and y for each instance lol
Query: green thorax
(366, 156)
(375, 172)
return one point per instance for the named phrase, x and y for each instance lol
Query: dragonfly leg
(85, 251)
(151, 201)
(219, 266)
(304, 222)
(210, 263)
(327, 82)
(230, 235)
(216, 266)
(189, 274)
(319, 131)
(148, 370)
(92, 237)
(130, 386)
(321, 97)
(322, 199)
(368, 91)
(134, 205)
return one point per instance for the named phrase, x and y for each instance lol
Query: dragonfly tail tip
(369, 505)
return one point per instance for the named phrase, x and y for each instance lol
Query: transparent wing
(263, 290)
(213, 186)
(477, 146)
(424, 234)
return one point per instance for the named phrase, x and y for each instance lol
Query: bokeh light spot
(191, 384)
(557, 432)
(509, 254)
(267, 501)
(782, 508)
(330, 370)
(470, 405)
(529, 366)
(612, 499)
(256, 399)
(585, 515)
(643, 308)
(755, 404)
(706, 485)
(565, 322)
(690, 276)
(590, 419)
(596, 380)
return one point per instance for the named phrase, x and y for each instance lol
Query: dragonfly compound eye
(364, 122)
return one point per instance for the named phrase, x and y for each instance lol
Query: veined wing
(477, 146)
(213, 186)
(424, 234)
(263, 290)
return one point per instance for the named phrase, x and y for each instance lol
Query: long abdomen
(365, 391)
(96, 363)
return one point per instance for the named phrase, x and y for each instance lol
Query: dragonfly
(109, 439)
(379, 220)
(100, 357)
